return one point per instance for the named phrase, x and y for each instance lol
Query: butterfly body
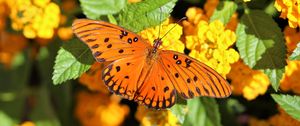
(145, 73)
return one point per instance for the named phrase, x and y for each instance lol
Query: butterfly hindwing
(108, 42)
(156, 90)
(192, 78)
(122, 76)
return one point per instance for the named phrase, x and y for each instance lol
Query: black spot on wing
(95, 46)
(106, 39)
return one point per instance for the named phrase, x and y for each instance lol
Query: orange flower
(10, 45)
(291, 80)
(92, 78)
(98, 109)
(65, 33)
(283, 119)
(280, 119)
(292, 37)
(210, 7)
(232, 24)
(289, 9)
(257, 122)
(250, 83)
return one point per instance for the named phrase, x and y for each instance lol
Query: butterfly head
(157, 42)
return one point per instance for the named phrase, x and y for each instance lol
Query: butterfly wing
(192, 78)
(122, 76)
(108, 42)
(156, 90)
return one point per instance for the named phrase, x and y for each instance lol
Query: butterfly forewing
(108, 42)
(192, 78)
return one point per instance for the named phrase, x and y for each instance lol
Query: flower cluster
(37, 18)
(280, 119)
(11, 44)
(170, 40)
(149, 117)
(289, 9)
(92, 78)
(64, 31)
(292, 37)
(211, 45)
(27, 123)
(98, 109)
(291, 80)
(248, 82)
(195, 15)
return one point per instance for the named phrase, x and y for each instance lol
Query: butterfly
(143, 72)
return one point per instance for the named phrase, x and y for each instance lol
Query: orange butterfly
(145, 73)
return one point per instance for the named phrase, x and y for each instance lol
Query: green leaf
(72, 60)
(290, 104)
(93, 9)
(224, 11)
(296, 53)
(5, 120)
(202, 112)
(112, 19)
(179, 111)
(261, 44)
(274, 76)
(149, 13)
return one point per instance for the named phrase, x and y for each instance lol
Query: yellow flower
(148, 117)
(37, 18)
(171, 41)
(291, 80)
(98, 109)
(247, 82)
(195, 15)
(27, 123)
(211, 45)
(41, 3)
(92, 78)
(134, 1)
(247, 0)
(289, 9)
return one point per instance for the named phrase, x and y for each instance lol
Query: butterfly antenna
(159, 22)
(183, 18)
